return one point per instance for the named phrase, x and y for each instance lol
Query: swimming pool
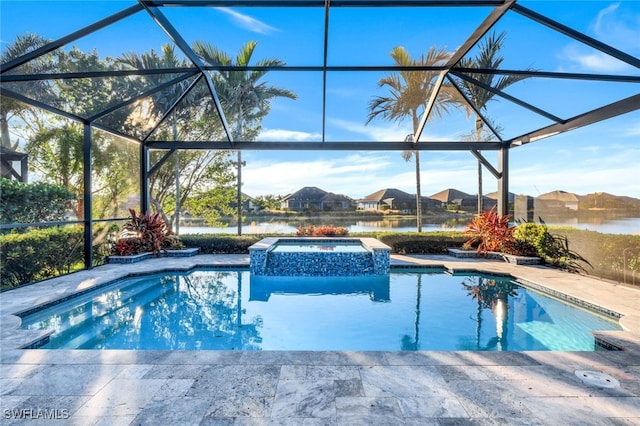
(234, 310)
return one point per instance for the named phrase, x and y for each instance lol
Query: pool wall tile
(188, 252)
(265, 261)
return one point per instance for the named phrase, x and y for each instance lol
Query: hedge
(220, 243)
(607, 254)
(400, 242)
(423, 243)
(39, 253)
(32, 202)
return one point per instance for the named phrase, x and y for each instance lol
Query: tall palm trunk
(239, 192)
(480, 205)
(238, 136)
(177, 178)
(418, 193)
(478, 136)
(4, 131)
(176, 172)
(415, 121)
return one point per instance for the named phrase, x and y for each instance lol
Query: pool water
(234, 310)
(282, 247)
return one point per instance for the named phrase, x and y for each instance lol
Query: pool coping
(613, 300)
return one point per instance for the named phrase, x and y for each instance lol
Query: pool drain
(595, 378)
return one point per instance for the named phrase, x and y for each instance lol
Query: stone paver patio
(91, 387)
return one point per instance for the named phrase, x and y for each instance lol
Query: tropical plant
(490, 232)
(143, 233)
(323, 230)
(488, 58)
(409, 96)
(554, 249)
(244, 97)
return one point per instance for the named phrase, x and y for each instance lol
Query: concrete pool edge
(590, 290)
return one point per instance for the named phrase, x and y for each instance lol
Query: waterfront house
(388, 199)
(311, 198)
(454, 198)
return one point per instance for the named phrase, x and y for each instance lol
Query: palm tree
(243, 96)
(488, 58)
(161, 102)
(409, 95)
(152, 60)
(22, 45)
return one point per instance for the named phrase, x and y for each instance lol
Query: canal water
(617, 225)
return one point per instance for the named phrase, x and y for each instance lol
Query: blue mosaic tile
(265, 261)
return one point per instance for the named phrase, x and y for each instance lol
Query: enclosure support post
(87, 210)
(503, 181)
(24, 169)
(144, 179)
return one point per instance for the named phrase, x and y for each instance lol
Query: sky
(603, 157)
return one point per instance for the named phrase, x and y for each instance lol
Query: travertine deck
(86, 387)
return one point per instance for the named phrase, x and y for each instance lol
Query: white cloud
(633, 130)
(593, 149)
(618, 181)
(587, 170)
(360, 174)
(372, 132)
(247, 22)
(287, 135)
(355, 175)
(614, 25)
(602, 17)
(619, 26)
(585, 59)
(385, 133)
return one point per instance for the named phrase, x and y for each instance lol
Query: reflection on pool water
(233, 310)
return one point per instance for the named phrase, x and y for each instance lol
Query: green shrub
(39, 253)
(420, 243)
(400, 242)
(220, 243)
(532, 233)
(32, 203)
(553, 249)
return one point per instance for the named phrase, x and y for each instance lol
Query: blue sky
(601, 157)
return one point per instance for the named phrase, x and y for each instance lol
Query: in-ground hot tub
(319, 256)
